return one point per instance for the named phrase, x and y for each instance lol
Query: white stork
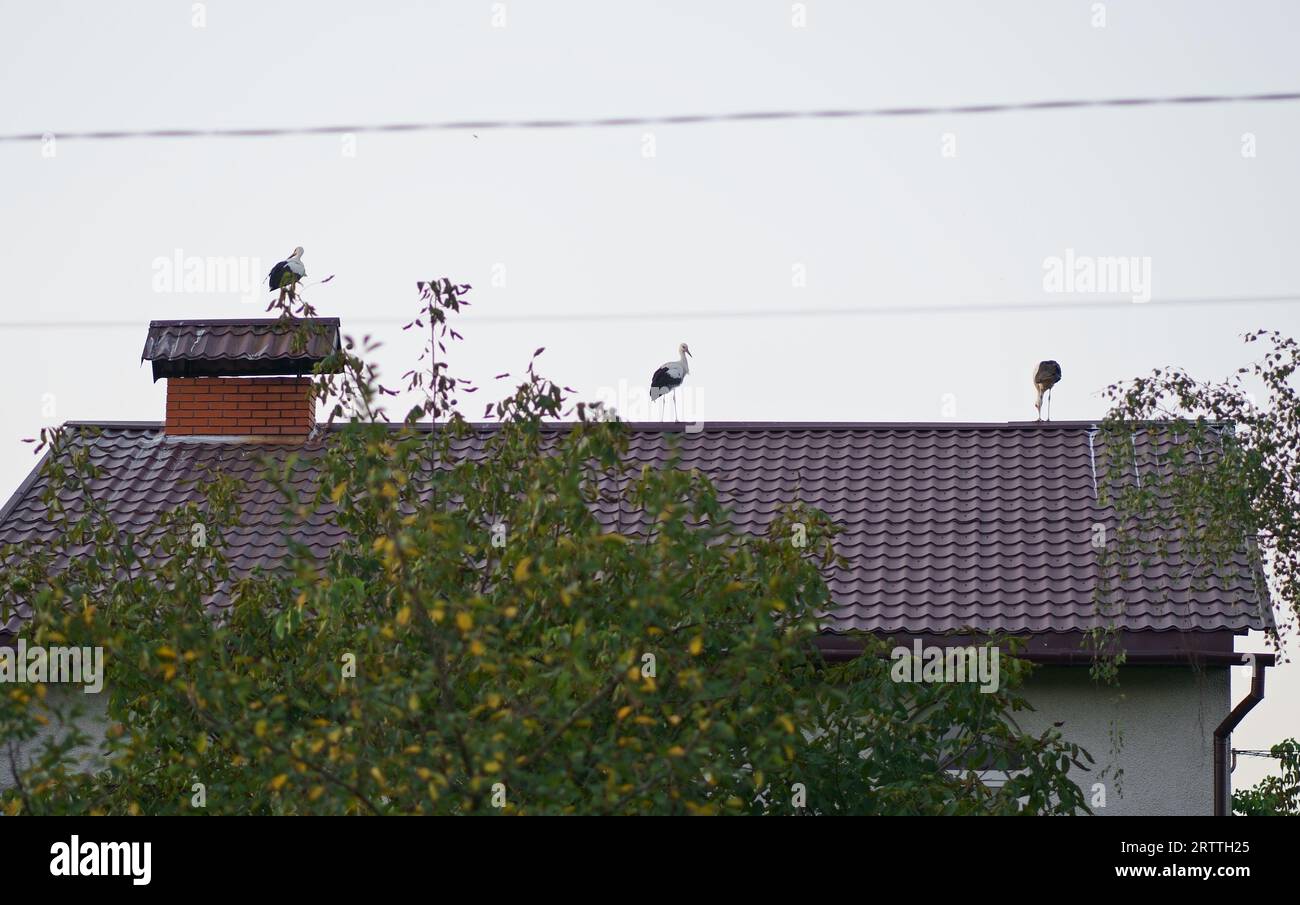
(670, 376)
(1046, 376)
(285, 275)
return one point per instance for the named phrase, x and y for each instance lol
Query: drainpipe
(1223, 735)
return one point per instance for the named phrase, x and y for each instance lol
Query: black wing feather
(663, 379)
(277, 274)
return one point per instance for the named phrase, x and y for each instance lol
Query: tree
(1220, 467)
(480, 643)
(1274, 796)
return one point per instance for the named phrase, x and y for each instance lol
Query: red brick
(235, 406)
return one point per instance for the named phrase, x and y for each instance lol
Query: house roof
(245, 347)
(946, 527)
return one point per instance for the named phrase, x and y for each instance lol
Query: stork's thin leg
(674, 405)
(1049, 405)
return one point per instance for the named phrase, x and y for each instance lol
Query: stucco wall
(1165, 717)
(91, 717)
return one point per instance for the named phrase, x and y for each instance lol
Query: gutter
(1223, 734)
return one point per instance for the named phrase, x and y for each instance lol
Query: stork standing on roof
(670, 376)
(1046, 376)
(285, 275)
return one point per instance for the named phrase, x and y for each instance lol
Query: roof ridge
(708, 426)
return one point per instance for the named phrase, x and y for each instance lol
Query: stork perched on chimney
(670, 376)
(1046, 376)
(285, 275)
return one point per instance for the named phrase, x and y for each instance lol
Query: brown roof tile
(945, 526)
(259, 346)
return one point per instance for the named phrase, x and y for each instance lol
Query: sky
(607, 246)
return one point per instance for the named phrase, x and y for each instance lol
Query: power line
(471, 317)
(876, 310)
(673, 120)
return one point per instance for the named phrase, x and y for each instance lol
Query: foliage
(479, 643)
(1274, 796)
(1219, 467)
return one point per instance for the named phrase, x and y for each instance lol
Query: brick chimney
(240, 378)
(239, 406)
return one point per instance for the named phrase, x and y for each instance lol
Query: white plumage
(285, 275)
(670, 376)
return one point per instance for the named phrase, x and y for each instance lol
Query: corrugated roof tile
(945, 528)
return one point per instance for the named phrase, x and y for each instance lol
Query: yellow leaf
(697, 645)
(623, 711)
(404, 616)
(464, 621)
(278, 783)
(339, 489)
(521, 568)
(476, 648)
(165, 653)
(676, 751)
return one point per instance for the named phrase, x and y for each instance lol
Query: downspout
(1223, 738)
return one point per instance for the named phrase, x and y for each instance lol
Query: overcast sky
(772, 219)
